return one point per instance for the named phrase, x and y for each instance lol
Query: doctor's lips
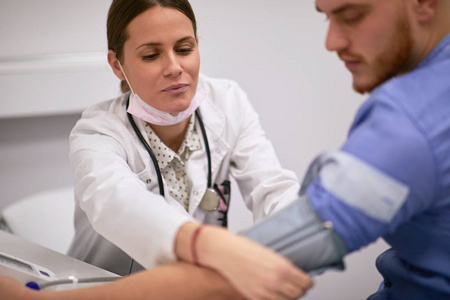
(176, 89)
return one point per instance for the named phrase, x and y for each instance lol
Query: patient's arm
(172, 281)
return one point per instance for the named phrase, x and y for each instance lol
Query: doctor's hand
(255, 271)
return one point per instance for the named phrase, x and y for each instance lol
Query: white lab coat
(119, 210)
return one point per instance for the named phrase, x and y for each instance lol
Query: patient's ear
(425, 10)
(115, 66)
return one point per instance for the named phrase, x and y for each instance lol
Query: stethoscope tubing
(150, 152)
(205, 140)
(153, 157)
(155, 161)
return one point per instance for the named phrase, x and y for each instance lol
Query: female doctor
(154, 162)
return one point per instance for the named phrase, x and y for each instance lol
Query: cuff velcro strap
(299, 234)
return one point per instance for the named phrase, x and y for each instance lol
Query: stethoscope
(210, 201)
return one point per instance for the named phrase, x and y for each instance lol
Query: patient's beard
(394, 59)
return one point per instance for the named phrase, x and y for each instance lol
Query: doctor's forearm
(255, 271)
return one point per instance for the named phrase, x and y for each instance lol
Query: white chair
(45, 218)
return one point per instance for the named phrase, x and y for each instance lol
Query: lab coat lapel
(214, 122)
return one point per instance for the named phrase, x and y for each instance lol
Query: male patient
(391, 178)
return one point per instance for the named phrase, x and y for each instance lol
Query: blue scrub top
(403, 130)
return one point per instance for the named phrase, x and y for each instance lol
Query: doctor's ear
(114, 63)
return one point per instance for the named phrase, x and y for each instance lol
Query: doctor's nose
(336, 39)
(172, 67)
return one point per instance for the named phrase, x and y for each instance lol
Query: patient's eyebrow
(343, 8)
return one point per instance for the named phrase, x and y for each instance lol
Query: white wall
(273, 50)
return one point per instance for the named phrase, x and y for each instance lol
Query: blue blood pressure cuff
(299, 234)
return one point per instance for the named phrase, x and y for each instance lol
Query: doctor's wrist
(182, 243)
(204, 245)
(194, 239)
(211, 247)
(186, 244)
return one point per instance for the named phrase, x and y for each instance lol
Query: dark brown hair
(122, 12)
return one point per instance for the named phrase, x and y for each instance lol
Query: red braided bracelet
(194, 243)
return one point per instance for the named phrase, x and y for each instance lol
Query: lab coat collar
(214, 121)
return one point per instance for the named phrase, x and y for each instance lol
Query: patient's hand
(11, 289)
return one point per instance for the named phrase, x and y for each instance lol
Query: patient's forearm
(173, 281)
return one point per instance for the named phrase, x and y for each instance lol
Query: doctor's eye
(184, 51)
(150, 57)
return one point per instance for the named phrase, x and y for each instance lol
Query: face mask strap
(125, 75)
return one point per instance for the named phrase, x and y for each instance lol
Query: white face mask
(142, 110)
(149, 114)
